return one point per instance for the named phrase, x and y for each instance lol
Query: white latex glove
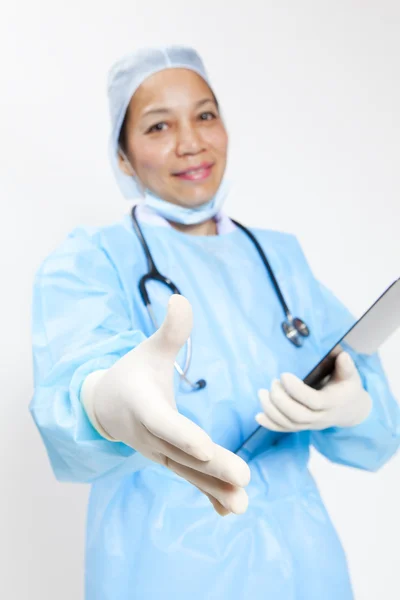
(291, 405)
(134, 402)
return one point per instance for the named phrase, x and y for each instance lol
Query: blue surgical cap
(125, 77)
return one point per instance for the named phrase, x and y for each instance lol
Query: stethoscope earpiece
(201, 384)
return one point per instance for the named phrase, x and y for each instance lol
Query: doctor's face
(174, 138)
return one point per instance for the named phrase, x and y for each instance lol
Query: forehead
(170, 88)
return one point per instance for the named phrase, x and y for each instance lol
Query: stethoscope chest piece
(295, 330)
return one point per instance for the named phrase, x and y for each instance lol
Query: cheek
(218, 139)
(151, 156)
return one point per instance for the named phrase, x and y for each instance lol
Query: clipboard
(371, 330)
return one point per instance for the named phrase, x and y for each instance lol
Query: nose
(189, 140)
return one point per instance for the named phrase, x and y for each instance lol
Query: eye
(207, 116)
(156, 127)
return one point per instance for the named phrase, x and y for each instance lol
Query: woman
(114, 411)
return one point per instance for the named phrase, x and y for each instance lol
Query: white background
(311, 95)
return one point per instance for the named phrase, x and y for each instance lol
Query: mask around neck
(186, 215)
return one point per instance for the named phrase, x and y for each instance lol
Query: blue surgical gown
(150, 534)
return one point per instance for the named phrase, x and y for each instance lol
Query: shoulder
(283, 248)
(85, 245)
(277, 239)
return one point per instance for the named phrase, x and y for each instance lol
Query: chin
(196, 197)
(195, 203)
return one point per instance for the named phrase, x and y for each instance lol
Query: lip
(196, 173)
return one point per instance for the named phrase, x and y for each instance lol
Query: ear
(125, 167)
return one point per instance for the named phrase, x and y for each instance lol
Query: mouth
(196, 173)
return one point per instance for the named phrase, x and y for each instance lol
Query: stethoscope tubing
(294, 328)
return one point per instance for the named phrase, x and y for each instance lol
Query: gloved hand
(291, 405)
(134, 402)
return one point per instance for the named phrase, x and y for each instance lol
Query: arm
(80, 324)
(373, 442)
(82, 343)
(354, 420)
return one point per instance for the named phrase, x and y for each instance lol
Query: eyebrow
(153, 111)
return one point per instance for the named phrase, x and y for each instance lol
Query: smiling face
(174, 138)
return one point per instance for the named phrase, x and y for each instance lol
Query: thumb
(345, 368)
(176, 327)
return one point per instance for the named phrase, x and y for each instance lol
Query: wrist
(358, 411)
(88, 396)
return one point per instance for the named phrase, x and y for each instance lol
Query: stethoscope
(294, 328)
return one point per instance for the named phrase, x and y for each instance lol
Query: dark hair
(122, 131)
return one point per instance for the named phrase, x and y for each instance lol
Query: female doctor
(153, 422)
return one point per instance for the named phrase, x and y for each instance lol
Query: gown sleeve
(80, 323)
(372, 443)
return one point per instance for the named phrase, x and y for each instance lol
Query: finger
(345, 368)
(163, 460)
(179, 431)
(229, 467)
(266, 422)
(302, 393)
(176, 327)
(224, 465)
(293, 411)
(274, 414)
(221, 510)
(233, 498)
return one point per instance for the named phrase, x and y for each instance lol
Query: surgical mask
(125, 77)
(183, 214)
(187, 215)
